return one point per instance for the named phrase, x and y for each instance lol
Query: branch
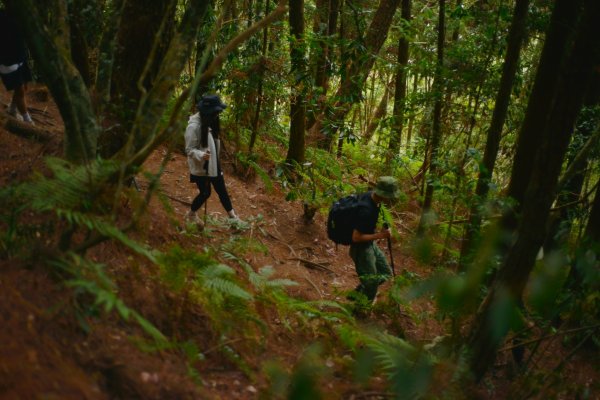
(585, 328)
(579, 159)
(25, 130)
(312, 264)
(219, 59)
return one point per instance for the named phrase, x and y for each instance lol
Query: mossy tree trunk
(576, 60)
(296, 146)
(509, 70)
(436, 129)
(401, 80)
(357, 71)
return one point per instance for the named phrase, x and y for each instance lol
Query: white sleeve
(192, 143)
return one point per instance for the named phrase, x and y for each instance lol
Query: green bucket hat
(387, 187)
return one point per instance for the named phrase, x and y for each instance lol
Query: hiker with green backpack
(353, 221)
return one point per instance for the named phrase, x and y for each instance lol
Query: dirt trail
(45, 340)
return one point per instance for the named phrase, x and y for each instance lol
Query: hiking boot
(233, 216)
(192, 218)
(27, 119)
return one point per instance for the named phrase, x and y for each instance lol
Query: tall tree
(147, 29)
(50, 48)
(509, 69)
(378, 115)
(592, 231)
(296, 146)
(401, 78)
(106, 51)
(325, 25)
(575, 60)
(436, 130)
(261, 79)
(537, 118)
(357, 71)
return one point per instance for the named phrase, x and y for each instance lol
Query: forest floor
(45, 353)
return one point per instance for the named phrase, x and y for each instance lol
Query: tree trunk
(259, 100)
(203, 57)
(576, 61)
(536, 117)
(79, 46)
(64, 81)
(400, 92)
(297, 108)
(571, 186)
(509, 70)
(358, 70)
(436, 130)
(106, 52)
(378, 115)
(153, 103)
(328, 16)
(148, 27)
(592, 230)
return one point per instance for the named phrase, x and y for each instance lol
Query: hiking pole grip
(389, 241)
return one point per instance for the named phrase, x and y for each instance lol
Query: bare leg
(18, 100)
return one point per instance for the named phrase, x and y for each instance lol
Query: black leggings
(203, 183)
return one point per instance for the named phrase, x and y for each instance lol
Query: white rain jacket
(195, 151)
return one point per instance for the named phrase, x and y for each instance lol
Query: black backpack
(341, 220)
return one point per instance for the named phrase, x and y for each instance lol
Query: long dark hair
(211, 121)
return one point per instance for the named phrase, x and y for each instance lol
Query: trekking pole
(389, 240)
(205, 212)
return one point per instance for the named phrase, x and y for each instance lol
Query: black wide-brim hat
(210, 104)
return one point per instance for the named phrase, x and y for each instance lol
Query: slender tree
(324, 26)
(378, 115)
(401, 78)
(357, 71)
(592, 230)
(436, 130)
(536, 118)
(296, 146)
(106, 52)
(50, 48)
(576, 61)
(261, 79)
(509, 69)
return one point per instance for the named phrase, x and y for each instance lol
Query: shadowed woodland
(487, 112)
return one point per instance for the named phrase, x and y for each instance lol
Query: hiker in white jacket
(202, 146)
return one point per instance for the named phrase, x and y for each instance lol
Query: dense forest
(487, 112)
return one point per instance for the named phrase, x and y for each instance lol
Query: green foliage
(87, 277)
(14, 236)
(217, 281)
(409, 370)
(292, 312)
(249, 162)
(546, 283)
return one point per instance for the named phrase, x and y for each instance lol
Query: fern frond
(70, 187)
(104, 228)
(264, 176)
(91, 278)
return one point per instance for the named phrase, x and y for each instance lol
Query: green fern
(95, 223)
(89, 277)
(409, 369)
(70, 187)
(264, 176)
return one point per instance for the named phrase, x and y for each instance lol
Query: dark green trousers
(371, 266)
